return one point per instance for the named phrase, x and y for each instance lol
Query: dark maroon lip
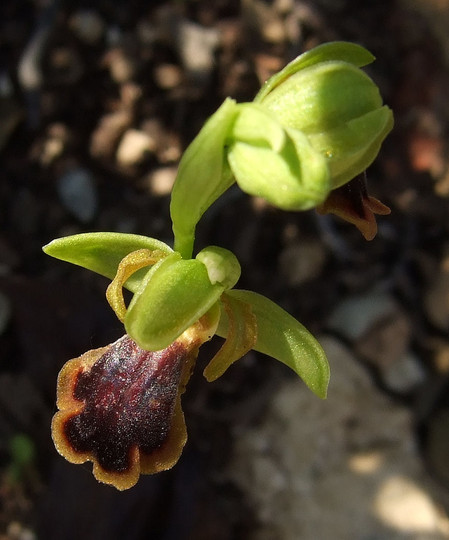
(129, 397)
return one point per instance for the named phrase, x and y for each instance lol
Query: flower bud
(325, 95)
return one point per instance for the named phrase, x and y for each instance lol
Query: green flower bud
(325, 95)
(275, 162)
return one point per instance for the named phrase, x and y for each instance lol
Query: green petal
(352, 147)
(257, 126)
(336, 51)
(174, 295)
(281, 336)
(323, 97)
(241, 337)
(202, 177)
(102, 252)
(294, 177)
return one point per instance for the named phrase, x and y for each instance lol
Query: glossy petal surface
(120, 408)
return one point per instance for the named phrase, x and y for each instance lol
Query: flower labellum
(352, 203)
(120, 407)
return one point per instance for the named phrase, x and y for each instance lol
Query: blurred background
(98, 100)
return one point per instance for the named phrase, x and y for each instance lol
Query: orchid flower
(119, 406)
(303, 143)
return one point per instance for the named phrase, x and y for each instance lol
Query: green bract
(313, 127)
(172, 293)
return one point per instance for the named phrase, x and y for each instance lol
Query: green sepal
(102, 252)
(241, 336)
(356, 144)
(202, 176)
(333, 51)
(281, 336)
(324, 97)
(174, 294)
(276, 163)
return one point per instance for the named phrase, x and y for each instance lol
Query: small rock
(55, 143)
(134, 148)
(167, 145)
(122, 67)
(160, 181)
(264, 20)
(107, 134)
(17, 531)
(386, 340)
(441, 355)
(147, 32)
(167, 76)
(196, 46)
(355, 315)
(404, 374)
(301, 262)
(88, 26)
(343, 462)
(78, 193)
(380, 332)
(405, 507)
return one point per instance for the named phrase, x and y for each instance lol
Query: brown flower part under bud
(119, 407)
(352, 203)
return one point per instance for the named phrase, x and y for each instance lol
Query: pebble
(404, 374)
(380, 333)
(167, 76)
(134, 148)
(88, 26)
(301, 262)
(105, 137)
(356, 314)
(121, 66)
(160, 181)
(264, 20)
(78, 193)
(345, 467)
(196, 47)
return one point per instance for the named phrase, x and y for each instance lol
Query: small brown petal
(352, 203)
(120, 407)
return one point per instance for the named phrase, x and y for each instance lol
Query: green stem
(184, 243)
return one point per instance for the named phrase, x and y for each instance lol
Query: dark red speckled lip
(129, 397)
(120, 407)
